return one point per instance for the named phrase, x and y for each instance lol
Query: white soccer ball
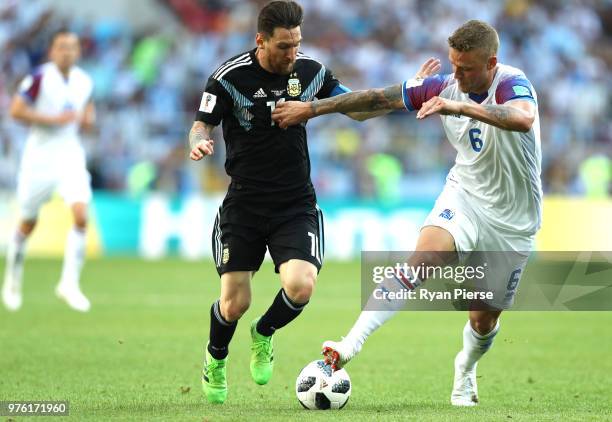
(318, 387)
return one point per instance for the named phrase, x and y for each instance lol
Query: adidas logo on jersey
(260, 94)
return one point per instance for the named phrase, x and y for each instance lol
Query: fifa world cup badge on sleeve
(294, 88)
(208, 102)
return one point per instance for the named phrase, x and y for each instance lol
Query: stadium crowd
(148, 85)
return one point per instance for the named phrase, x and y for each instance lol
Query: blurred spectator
(146, 88)
(596, 174)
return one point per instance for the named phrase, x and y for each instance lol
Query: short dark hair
(279, 14)
(475, 34)
(58, 33)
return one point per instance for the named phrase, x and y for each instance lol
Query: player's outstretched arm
(518, 115)
(430, 67)
(359, 105)
(290, 113)
(21, 110)
(200, 141)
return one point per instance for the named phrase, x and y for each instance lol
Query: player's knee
(483, 325)
(27, 227)
(79, 212)
(232, 310)
(81, 225)
(300, 288)
(80, 221)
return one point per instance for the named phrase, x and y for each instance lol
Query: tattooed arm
(378, 100)
(358, 105)
(360, 116)
(430, 67)
(200, 141)
(517, 115)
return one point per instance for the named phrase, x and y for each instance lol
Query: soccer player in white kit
(492, 198)
(55, 101)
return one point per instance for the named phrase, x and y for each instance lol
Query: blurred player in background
(493, 195)
(55, 101)
(271, 201)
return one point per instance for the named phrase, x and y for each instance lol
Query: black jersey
(269, 166)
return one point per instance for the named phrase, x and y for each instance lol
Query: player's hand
(290, 113)
(64, 118)
(430, 67)
(202, 149)
(438, 105)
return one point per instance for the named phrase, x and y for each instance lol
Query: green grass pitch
(137, 355)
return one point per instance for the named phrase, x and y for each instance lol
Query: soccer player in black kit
(271, 201)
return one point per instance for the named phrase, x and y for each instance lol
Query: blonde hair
(475, 34)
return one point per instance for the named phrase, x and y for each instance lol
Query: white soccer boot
(72, 295)
(11, 294)
(465, 390)
(338, 353)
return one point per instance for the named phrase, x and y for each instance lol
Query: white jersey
(50, 93)
(499, 169)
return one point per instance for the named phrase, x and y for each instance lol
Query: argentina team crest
(294, 88)
(226, 254)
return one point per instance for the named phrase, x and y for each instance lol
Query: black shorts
(240, 239)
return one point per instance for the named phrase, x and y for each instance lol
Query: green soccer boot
(262, 356)
(214, 380)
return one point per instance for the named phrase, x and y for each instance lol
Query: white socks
(475, 345)
(15, 256)
(377, 310)
(74, 256)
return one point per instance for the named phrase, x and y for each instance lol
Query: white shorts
(477, 241)
(34, 188)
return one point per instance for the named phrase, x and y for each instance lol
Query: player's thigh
(237, 243)
(504, 257)
(75, 186)
(299, 237)
(450, 227)
(235, 297)
(32, 192)
(435, 246)
(435, 238)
